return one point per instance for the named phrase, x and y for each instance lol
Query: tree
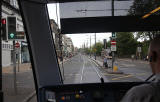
(126, 44)
(142, 7)
(97, 48)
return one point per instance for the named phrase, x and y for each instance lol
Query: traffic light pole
(113, 57)
(14, 68)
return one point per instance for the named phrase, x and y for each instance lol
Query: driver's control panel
(79, 96)
(106, 92)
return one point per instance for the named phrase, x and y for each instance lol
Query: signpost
(17, 50)
(139, 50)
(17, 45)
(113, 45)
(14, 67)
(113, 48)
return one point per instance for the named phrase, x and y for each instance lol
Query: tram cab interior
(47, 76)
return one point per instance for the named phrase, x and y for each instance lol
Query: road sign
(113, 48)
(17, 45)
(113, 35)
(139, 49)
(113, 42)
(20, 35)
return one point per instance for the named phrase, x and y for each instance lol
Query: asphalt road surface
(81, 69)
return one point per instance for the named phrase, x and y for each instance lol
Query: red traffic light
(3, 21)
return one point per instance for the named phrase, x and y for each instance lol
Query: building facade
(11, 8)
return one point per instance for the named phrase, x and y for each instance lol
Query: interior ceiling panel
(109, 24)
(64, 1)
(89, 16)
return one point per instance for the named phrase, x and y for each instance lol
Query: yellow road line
(140, 74)
(126, 76)
(113, 74)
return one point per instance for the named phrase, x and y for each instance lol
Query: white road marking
(82, 70)
(96, 70)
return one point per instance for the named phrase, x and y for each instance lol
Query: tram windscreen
(91, 31)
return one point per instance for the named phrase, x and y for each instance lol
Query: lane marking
(114, 74)
(139, 74)
(98, 68)
(72, 74)
(95, 69)
(82, 70)
(123, 77)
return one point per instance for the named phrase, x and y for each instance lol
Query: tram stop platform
(99, 63)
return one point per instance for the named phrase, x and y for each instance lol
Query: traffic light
(11, 25)
(4, 28)
(113, 35)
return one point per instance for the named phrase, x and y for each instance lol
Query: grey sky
(80, 39)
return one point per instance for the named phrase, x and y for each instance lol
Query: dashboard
(99, 92)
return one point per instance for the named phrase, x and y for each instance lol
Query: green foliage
(145, 46)
(109, 43)
(142, 7)
(97, 48)
(126, 44)
(87, 50)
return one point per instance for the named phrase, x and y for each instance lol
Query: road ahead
(81, 69)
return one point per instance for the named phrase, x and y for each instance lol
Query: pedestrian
(148, 92)
(105, 62)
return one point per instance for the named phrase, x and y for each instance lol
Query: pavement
(99, 62)
(128, 70)
(24, 83)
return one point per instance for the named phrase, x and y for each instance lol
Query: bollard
(115, 68)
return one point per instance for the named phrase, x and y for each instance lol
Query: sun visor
(108, 16)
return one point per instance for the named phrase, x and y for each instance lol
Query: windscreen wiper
(150, 77)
